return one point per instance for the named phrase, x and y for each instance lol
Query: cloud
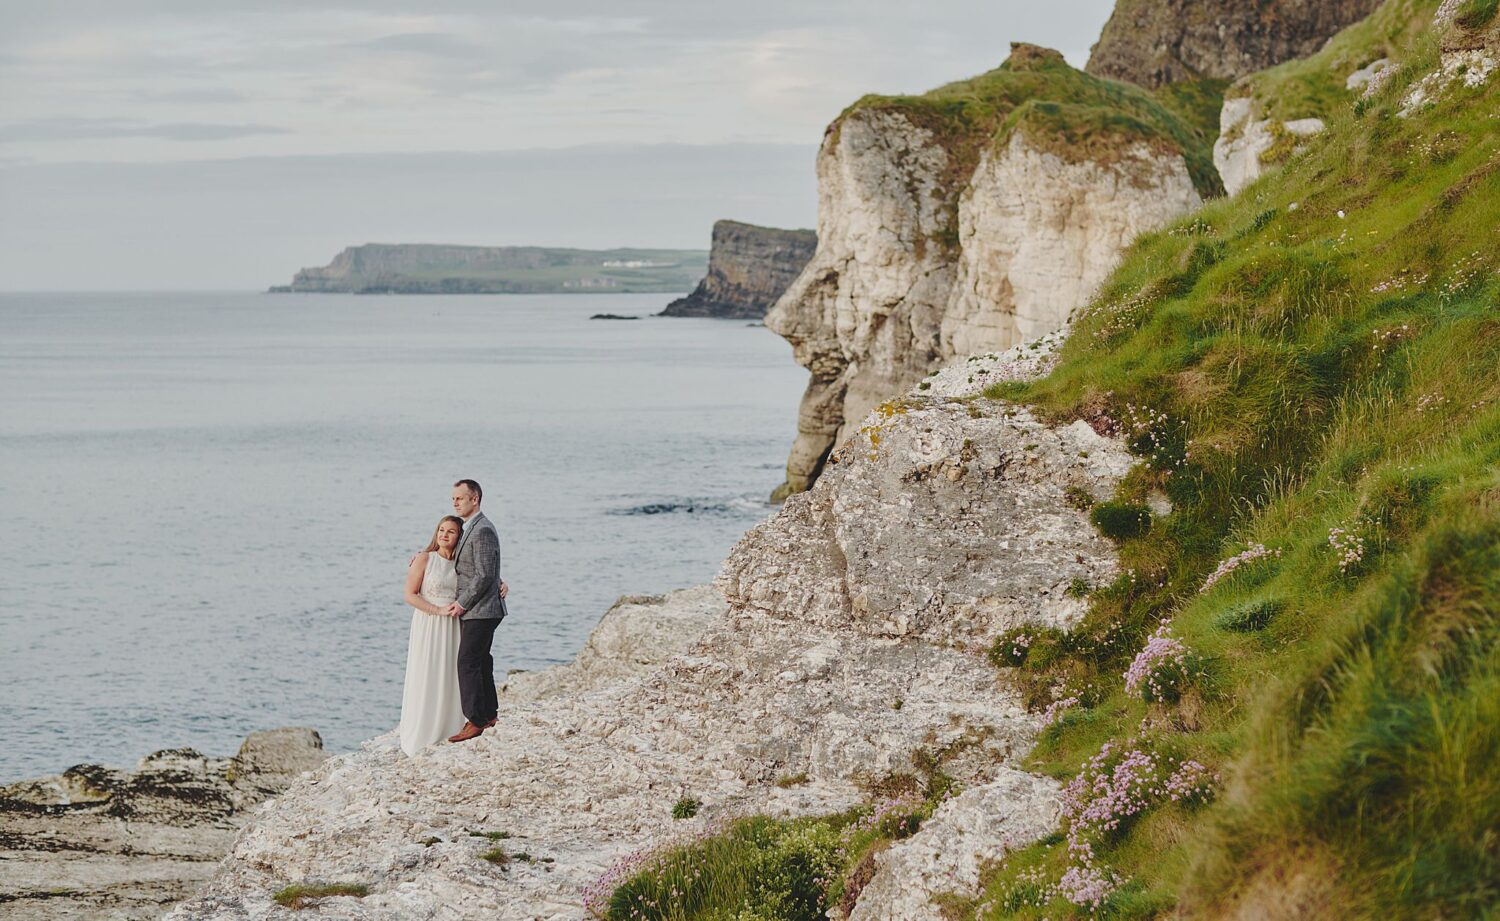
(249, 223)
(71, 129)
(438, 44)
(192, 96)
(287, 77)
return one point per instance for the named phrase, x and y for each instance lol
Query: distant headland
(425, 268)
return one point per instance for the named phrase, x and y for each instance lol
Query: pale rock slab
(636, 634)
(947, 855)
(1368, 75)
(1244, 138)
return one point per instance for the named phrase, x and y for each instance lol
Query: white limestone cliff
(901, 285)
(850, 637)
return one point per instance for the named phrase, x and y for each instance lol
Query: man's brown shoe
(470, 731)
(491, 723)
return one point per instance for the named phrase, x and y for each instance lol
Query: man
(480, 607)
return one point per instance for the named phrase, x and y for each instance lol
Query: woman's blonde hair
(433, 544)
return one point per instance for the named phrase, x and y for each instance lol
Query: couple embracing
(457, 599)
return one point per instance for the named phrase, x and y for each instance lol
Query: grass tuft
(306, 895)
(1120, 520)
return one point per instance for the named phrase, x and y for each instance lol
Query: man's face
(464, 501)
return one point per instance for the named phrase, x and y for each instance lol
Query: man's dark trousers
(476, 670)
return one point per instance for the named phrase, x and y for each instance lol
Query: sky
(223, 144)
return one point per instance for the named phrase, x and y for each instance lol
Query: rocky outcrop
(1268, 116)
(424, 268)
(950, 851)
(99, 842)
(749, 267)
(1153, 43)
(1247, 144)
(637, 633)
(939, 236)
(1469, 42)
(849, 640)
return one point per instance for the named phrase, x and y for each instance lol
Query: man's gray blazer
(478, 565)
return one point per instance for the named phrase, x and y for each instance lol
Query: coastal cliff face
(1153, 43)
(749, 267)
(426, 268)
(943, 235)
(843, 640)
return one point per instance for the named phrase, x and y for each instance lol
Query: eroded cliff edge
(970, 218)
(848, 640)
(749, 267)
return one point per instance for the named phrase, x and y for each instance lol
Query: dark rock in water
(1153, 43)
(612, 316)
(99, 842)
(748, 269)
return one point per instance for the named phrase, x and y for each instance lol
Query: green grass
(1120, 520)
(686, 807)
(759, 868)
(304, 896)
(1476, 14)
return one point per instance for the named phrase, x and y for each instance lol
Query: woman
(430, 708)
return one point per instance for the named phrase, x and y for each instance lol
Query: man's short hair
(473, 488)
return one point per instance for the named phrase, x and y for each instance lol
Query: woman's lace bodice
(440, 581)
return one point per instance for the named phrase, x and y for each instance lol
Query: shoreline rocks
(101, 842)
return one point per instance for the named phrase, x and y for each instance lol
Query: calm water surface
(207, 501)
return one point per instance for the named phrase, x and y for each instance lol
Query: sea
(208, 500)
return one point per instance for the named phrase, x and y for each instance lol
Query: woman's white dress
(430, 708)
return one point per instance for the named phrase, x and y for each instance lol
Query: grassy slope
(1284, 372)
(1314, 372)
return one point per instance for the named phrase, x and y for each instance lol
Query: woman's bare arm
(414, 574)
